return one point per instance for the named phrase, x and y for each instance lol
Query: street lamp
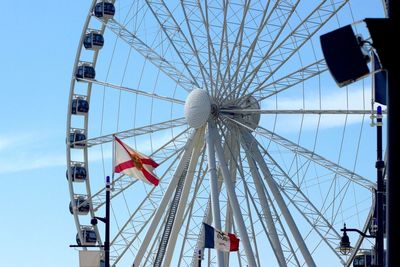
(106, 221)
(344, 246)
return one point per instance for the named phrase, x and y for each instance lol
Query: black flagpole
(107, 239)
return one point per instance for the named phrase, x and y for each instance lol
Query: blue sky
(37, 50)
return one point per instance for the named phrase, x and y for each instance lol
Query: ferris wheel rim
(73, 81)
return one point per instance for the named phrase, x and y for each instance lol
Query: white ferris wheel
(233, 99)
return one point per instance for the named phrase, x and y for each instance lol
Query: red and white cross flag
(132, 163)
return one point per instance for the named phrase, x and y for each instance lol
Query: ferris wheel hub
(197, 108)
(251, 119)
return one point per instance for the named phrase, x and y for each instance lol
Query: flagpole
(107, 238)
(113, 161)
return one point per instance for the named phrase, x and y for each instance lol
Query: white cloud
(339, 99)
(29, 151)
(15, 163)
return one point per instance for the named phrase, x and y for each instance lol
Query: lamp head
(345, 247)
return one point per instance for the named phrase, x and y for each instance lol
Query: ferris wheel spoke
(122, 183)
(281, 9)
(135, 91)
(288, 81)
(284, 240)
(189, 238)
(272, 233)
(198, 147)
(206, 212)
(177, 39)
(197, 51)
(297, 149)
(139, 219)
(233, 199)
(172, 146)
(162, 205)
(300, 111)
(282, 52)
(147, 52)
(134, 132)
(233, 79)
(251, 226)
(214, 187)
(269, 216)
(128, 235)
(301, 202)
(223, 41)
(212, 53)
(214, 60)
(238, 48)
(256, 155)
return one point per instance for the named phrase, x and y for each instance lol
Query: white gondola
(81, 205)
(88, 235)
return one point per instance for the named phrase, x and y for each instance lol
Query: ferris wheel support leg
(194, 157)
(233, 200)
(276, 244)
(214, 186)
(164, 202)
(256, 154)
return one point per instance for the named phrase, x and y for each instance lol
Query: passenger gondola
(104, 10)
(93, 40)
(81, 204)
(79, 106)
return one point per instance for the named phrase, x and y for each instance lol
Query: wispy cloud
(34, 151)
(29, 151)
(354, 99)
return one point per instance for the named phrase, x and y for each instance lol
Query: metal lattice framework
(283, 159)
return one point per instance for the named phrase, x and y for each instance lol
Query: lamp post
(345, 247)
(380, 194)
(106, 221)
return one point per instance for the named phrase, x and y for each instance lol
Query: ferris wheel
(234, 102)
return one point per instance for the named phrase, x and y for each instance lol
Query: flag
(219, 240)
(379, 81)
(132, 163)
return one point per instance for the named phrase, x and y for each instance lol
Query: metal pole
(107, 239)
(393, 168)
(257, 156)
(230, 188)
(214, 186)
(379, 247)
